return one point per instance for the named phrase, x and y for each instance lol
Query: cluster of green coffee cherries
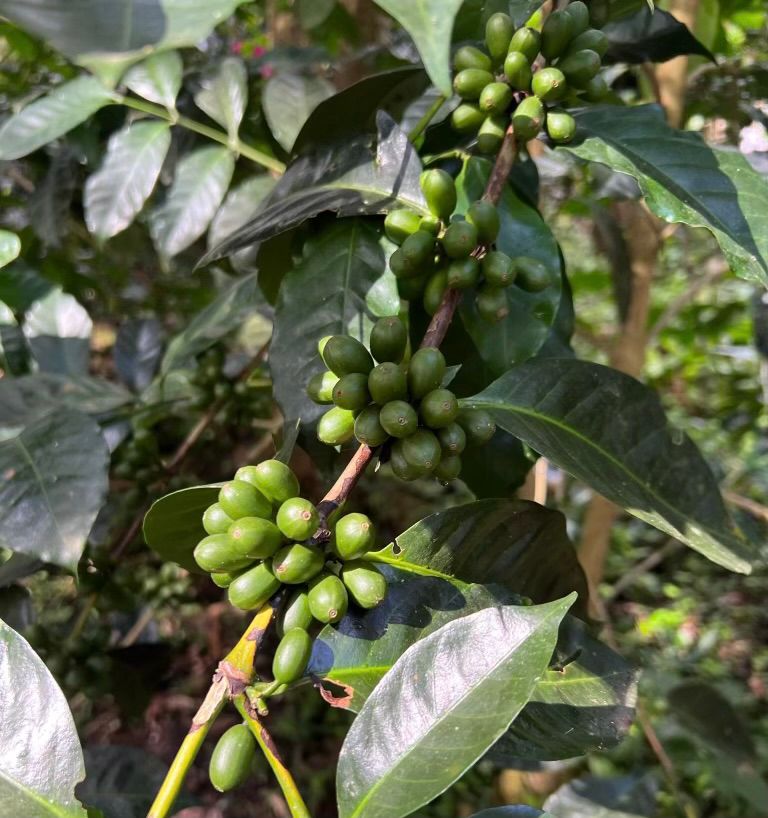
(438, 252)
(396, 402)
(487, 80)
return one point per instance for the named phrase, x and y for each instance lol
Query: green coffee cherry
(448, 468)
(296, 613)
(498, 32)
(398, 418)
(223, 579)
(431, 224)
(491, 134)
(477, 424)
(368, 429)
(336, 426)
(253, 587)
(528, 118)
(399, 224)
(437, 284)
(517, 70)
(426, 371)
(320, 387)
(556, 33)
(527, 41)
(389, 339)
(460, 239)
(581, 67)
(495, 98)
(439, 191)
(596, 89)
(561, 126)
(297, 563)
(297, 518)
(549, 84)
(216, 520)
(422, 449)
(241, 499)
(291, 656)
(401, 468)
(217, 552)
(485, 217)
(419, 248)
(498, 268)
(463, 273)
(343, 355)
(469, 83)
(321, 344)
(232, 758)
(467, 118)
(452, 439)
(387, 382)
(366, 584)
(403, 266)
(592, 39)
(255, 537)
(355, 535)
(439, 408)
(328, 599)
(470, 57)
(492, 304)
(411, 288)
(579, 14)
(272, 478)
(532, 275)
(351, 391)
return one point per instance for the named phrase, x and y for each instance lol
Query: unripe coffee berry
(297, 518)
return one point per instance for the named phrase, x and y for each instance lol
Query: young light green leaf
(429, 22)
(10, 247)
(54, 483)
(40, 756)
(288, 101)
(224, 95)
(240, 206)
(201, 180)
(115, 194)
(410, 743)
(158, 78)
(51, 116)
(610, 431)
(683, 179)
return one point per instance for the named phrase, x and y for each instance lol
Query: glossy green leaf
(224, 95)
(496, 469)
(52, 115)
(173, 526)
(40, 757)
(610, 431)
(198, 188)
(347, 177)
(21, 286)
(345, 279)
(288, 101)
(479, 669)
(429, 22)
(158, 78)
(592, 797)
(683, 179)
(137, 352)
(54, 480)
(240, 299)
(58, 330)
(650, 36)
(10, 247)
(241, 204)
(116, 193)
(531, 315)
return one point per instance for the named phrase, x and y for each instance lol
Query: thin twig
(421, 125)
(752, 506)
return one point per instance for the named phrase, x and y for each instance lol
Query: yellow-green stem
(421, 126)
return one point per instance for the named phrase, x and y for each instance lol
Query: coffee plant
(379, 299)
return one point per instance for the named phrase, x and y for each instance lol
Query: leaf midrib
(51, 808)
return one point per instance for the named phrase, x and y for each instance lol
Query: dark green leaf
(52, 115)
(603, 11)
(54, 480)
(650, 36)
(402, 749)
(138, 349)
(14, 352)
(51, 200)
(198, 188)
(593, 797)
(241, 204)
(16, 607)
(288, 102)
(683, 179)
(58, 330)
(429, 22)
(18, 566)
(224, 95)
(116, 193)
(21, 286)
(497, 469)
(610, 431)
(158, 78)
(348, 178)
(340, 286)
(173, 526)
(40, 755)
(10, 247)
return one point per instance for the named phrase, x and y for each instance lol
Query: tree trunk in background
(672, 76)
